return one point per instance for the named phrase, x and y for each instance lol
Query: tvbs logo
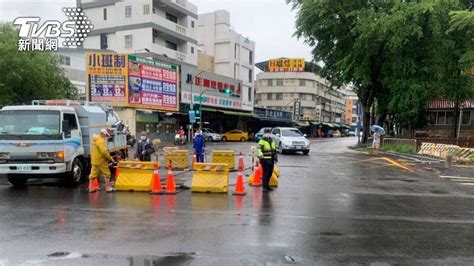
(44, 37)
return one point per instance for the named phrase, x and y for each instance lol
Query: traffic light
(197, 110)
(226, 91)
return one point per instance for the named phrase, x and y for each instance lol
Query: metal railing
(387, 142)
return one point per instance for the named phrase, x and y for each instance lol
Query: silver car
(211, 135)
(289, 139)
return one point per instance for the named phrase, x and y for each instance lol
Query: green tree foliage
(26, 76)
(397, 54)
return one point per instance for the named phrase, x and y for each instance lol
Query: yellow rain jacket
(100, 158)
(100, 154)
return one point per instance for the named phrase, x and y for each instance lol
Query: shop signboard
(286, 65)
(126, 80)
(152, 84)
(107, 77)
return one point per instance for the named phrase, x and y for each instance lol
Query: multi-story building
(283, 82)
(227, 52)
(350, 114)
(164, 27)
(73, 62)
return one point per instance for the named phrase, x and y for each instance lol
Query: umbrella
(377, 128)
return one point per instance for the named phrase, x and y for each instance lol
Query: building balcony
(158, 49)
(174, 29)
(181, 6)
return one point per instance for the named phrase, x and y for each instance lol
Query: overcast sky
(270, 23)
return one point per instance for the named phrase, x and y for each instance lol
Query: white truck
(52, 138)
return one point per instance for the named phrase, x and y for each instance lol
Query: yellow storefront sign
(107, 77)
(286, 65)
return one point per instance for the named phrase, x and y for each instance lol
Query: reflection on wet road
(335, 206)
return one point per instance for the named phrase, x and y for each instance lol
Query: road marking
(397, 164)
(467, 184)
(455, 177)
(359, 161)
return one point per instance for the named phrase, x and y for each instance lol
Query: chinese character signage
(286, 65)
(125, 80)
(212, 100)
(152, 84)
(107, 76)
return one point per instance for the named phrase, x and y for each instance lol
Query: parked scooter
(179, 139)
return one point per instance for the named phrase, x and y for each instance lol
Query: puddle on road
(330, 234)
(176, 258)
(179, 258)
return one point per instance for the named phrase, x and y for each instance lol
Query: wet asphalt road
(335, 206)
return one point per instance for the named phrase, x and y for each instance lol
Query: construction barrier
(273, 179)
(437, 150)
(210, 177)
(224, 156)
(178, 158)
(134, 176)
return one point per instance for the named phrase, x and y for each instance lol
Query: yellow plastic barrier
(224, 156)
(134, 176)
(179, 158)
(273, 179)
(210, 177)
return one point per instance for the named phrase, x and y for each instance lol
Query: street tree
(394, 52)
(26, 76)
(347, 38)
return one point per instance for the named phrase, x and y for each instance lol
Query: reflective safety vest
(266, 148)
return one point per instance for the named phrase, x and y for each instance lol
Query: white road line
(467, 184)
(455, 177)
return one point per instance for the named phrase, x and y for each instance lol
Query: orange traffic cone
(170, 185)
(156, 182)
(257, 176)
(239, 187)
(94, 185)
(194, 161)
(241, 163)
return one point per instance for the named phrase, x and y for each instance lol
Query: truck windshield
(29, 124)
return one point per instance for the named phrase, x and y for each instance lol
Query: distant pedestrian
(268, 158)
(198, 146)
(100, 158)
(144, 148)
(376, 142)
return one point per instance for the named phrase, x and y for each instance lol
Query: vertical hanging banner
(152, 84)
(107, 77)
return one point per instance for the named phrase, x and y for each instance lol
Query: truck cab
(52, 140)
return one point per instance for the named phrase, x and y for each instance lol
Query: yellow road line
(359, 161)
(397, 164)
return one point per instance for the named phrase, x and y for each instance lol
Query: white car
(211, 135)
(289, 139)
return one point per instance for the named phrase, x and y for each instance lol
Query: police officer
(268, 157)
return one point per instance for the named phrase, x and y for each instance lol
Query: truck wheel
(18, 181)
(76, 175)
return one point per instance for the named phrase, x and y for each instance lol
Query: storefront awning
(207, 109)
(302, 123)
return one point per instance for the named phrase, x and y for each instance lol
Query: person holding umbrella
(378, 132)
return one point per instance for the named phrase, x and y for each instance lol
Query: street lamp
(192, 84)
